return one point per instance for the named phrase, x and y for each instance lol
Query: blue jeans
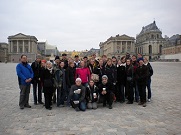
(121, 93)
(149, 88)
(35, 84)
(136, 92)
(60, 96)
(81, 105)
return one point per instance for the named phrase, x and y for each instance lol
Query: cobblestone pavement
(162, 116)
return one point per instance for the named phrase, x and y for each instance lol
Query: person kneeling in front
(77, 96)
(91, 95)
(106, 91)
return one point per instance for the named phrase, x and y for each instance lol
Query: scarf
(50, 69)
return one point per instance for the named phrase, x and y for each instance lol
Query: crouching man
(106, 91)
(77, 96)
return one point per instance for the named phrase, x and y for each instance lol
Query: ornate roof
(150, 27)
(122, 37)
(22, 36)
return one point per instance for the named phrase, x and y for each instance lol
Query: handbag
(48, 83)
(95, 77)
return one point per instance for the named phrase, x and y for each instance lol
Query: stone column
(23, 46)
(29, 47)
(126, 47)
(17, 47)
(121, 46)
(11, 46)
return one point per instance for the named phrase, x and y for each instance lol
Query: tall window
(150, 49)
(15, 48)
(160, 49)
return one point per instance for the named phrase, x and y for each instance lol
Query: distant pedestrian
(25, 76)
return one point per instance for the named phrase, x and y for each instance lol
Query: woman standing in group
(70, 77)
(47, 79)
(61, 95)
(83, 73)
(129, 81)
(101, 70)
(121, 78)
(94, 71)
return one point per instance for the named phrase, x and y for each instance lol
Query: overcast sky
(83, 24)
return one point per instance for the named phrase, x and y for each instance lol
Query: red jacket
(83, 73)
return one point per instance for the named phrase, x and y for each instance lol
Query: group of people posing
(83, 83)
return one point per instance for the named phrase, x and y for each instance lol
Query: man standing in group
(64, 59)
(142, 77)
(25, 76)
(36, 66)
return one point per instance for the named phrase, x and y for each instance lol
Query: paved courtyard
(162, 116)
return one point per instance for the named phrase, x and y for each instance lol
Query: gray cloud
(80, 24)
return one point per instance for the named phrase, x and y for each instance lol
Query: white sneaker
(149, 100)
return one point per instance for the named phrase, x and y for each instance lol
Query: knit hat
(44, 61)
(57, 57)
(38, 56)
(140, 59)
(104, 76)
(78, 79)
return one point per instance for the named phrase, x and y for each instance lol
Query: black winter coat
(121, 74)
(109, 87)
(142, 75)
(70, 74)
(111, 72)
(150, 70)
(45, 76)
(36, 67)
(89, 93)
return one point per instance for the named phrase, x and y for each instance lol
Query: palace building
(149, 41)
(22, 44)
(117, 46)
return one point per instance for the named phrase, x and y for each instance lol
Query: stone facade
(3, 52)
(117, 46)
(172, 45)
(22, 44)
(150, 41)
